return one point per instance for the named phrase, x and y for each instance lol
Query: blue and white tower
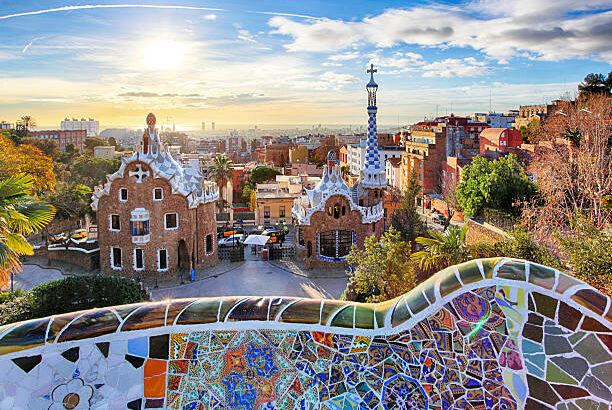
(372, 174)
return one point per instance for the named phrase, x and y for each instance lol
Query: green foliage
(500, 184)
(588, 250)
(445, 249)
(20, 216)
(47, 146)
(595, 84)
(406, 218)
(91, 142)
(92, 171)
(69, 295)
(258, 176)
(12, 135)
(71, 201)
(522, 246)
(382, 267)
(530, 131)
(221, 170)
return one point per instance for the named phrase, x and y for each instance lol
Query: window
(327, 244)
(209, 243)
(300, 236)
(123, 194)
(336, 211)
(158, 194)
(171, 221)
(139, 228)
(281, 212)
(335, 244)
(162, 259)
(343, 210)
(115, 223)
(116, 258)
(138, 259)
(266, 211)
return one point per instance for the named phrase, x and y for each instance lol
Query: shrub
(69, 295)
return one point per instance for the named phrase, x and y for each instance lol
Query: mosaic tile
(489, 346)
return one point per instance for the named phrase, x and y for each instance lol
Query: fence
(234, 254)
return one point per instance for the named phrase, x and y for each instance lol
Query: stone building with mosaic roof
(331, 217)
(155, 217)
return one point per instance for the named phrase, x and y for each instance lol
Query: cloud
(544, 30)
(209, 17)
(398, 59)
(345, 56)
(30, 44)
(246, 36)
(337, 79)
(454, 67)
(103, 6)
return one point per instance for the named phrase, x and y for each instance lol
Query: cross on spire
(372, 70)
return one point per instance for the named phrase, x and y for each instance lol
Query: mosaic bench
(487, 334)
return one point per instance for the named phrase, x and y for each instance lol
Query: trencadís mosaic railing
(487, 334)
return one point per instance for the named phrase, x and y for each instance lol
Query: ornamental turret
(372, 174)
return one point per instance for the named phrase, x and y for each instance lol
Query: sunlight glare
(163, 54)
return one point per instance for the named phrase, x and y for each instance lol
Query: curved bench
(491, 333)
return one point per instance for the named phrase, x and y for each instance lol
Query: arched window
(343, 210)
(309, 250)
(330, 211)
(335, 244)
(336, 211)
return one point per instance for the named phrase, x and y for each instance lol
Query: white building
(92, 126)
(496, 120)
(356, 156)
(392, 171)
(5, 125)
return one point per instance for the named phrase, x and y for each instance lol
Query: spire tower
(372, 174)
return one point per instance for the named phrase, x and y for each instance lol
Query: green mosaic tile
(592, 350)
(429, 288)
(381, 310)
(364, 316)
(58, 323)
(556, 375)
(488, 265)
(255, 308)
(302, 311)
(512, 269)
(148, 316)
(541, 275)
(449, 283)
(344, 318)
(416, 300)
(24, 336)
(469, 272)
(545, 304)
(329, 308)
(201, 311)
(91, 324)
(400, 314)
(278, 304)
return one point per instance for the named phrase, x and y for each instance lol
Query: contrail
(105, 6)
(30, 43)
(272, 13)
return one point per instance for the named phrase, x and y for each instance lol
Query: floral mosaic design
(520, 336)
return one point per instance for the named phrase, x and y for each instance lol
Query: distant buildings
(528, 113)
(154, 216)
(62, 138)
(105, 151)
(90, 125)
(6, 126)
(499, 140)
(275, 200)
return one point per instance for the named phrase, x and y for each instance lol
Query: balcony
(141, 239)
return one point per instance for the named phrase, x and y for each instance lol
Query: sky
(245, 63)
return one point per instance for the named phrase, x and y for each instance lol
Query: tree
(449, 195)
(46, 146)
(20, 216)
(71, 201)
(588, 252)
(595, 84)
(406, 219)
(345, 169)
(501, 184)
(444, 249)
(258, 176)
(92, 171)
(573, 173)
(530, 131)
(521, 245)
(91, 142)
(26, 159)
(222, 171)
(382, 268)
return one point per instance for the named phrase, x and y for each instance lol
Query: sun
(164, 54)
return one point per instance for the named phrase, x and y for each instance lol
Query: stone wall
(482, 232)
(88, 260)
(487, 334)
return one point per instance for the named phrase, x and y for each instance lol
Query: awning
(257, 240)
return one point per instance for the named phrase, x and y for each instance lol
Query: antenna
(489, 100)
(436, 110)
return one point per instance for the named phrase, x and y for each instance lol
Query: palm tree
(20, 216)
(221, 171)
(447, 248)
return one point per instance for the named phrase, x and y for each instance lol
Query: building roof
(492, 132)
(187, 182)
(395, 162)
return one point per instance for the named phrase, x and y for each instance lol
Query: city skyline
(290, 63)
